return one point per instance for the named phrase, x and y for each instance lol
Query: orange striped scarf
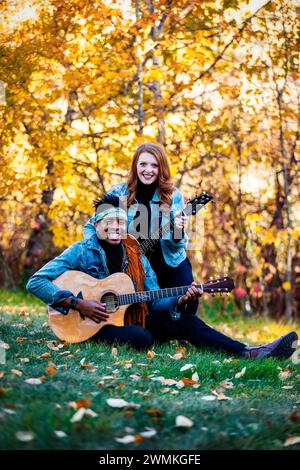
(136, 313)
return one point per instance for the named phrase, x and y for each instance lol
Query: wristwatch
(73, 302)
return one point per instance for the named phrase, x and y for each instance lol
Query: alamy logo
(3, 347)
(2, 92)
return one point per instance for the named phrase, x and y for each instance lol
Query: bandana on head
(112, 212)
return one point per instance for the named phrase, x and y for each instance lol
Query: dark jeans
(182, 275)
(133, 335)
(192, 329)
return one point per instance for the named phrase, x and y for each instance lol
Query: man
(110, 250)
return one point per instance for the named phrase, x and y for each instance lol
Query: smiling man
(110, 251)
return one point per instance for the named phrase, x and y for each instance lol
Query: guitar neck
(146, 296)
(149, 243)
(192, 208)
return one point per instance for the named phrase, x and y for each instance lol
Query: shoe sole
(284, 348)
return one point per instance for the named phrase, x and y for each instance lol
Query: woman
(152, 200)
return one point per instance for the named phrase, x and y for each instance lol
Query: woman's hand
(180, 222)
(192, 293)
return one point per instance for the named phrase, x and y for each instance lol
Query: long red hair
(165, 185)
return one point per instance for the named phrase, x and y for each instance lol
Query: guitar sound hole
(111, 301)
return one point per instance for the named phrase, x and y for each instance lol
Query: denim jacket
(89, 257)
(173, 251)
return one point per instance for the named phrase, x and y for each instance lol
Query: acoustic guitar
(118, 292)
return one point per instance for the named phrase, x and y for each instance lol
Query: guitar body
(72, 327)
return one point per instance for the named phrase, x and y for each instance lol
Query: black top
(145, 193)
(114, 256)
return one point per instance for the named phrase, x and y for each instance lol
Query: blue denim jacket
(173, 252)
(89, 257)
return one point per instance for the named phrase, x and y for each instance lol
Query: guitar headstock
(219, 286)
(196, 203)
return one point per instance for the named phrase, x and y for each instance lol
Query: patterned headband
(112, 212)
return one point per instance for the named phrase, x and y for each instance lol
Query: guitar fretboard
(146, 296)
(148, 244)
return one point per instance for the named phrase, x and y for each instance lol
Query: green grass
(258, 416)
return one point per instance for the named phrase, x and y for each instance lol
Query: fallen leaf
(81, 403)
(195, 377)
(24, 359)
(120, 403)
(180, 384)
(150, 354)
(226, 384)
(284, 374)
(78, 415)
(51, 370)
(20, 339)
(126, 439)
(24, 436)
(33, 381)
(183, 422)
(114, 352)
(292, 440)
(241, 373)
(169, 382)
(188, 382)
(91, 413)
(154, 411)
(44, 356)
(187, 367)
(209, 398)
(9, 412)
(60, 434)
(176, 356)
(55, 345)
(16, 372)
(150, 432)
(221, 396)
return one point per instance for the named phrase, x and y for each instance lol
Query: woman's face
(147, 168)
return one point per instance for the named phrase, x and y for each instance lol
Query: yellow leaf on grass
(51, 370)
(81, 403)
(44, 356)
(150, 354)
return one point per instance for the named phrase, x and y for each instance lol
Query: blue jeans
(190, 328)
(182, 275)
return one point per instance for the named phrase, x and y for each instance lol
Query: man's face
(111, 229)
